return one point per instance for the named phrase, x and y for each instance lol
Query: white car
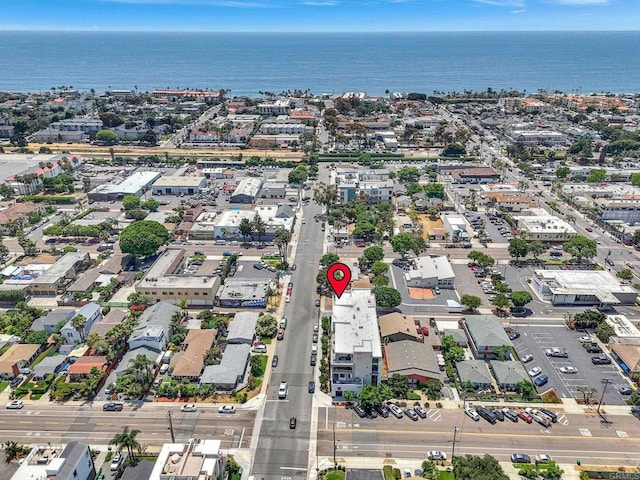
(115, 462)
(534, 372)
(585, 339)
(189, 407)
(227, 409)
(526, 358)
(436, 455)
(282, 391)
(396, 410)
(472, 414)
(15, 405)
(568, 369)
(287, 299)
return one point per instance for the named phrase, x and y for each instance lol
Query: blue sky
(319, 15)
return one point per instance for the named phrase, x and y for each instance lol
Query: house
(85, 283)
(196, 459)
(242, 329)
(486, 334)
(83, 365)
(127, 359)
(229, 374)
(169, 280)
(92, 313)
(510, 201)
(57, 462)
(110, 320)
(356, 356)
(508, 374)
(430, 272)
(18, 212)
(49, 323)
(195, 346)
(458, 336)
(116, 264)
(154, 327)
(54, 280)
(395, 327)
(8, 340)
(17, 356)
(140, 470)
(247, 190)
(414, 360)
(47, 366)
(581, 287)
(474, 372)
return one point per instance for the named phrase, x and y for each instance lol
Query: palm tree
(259, 226)
(283, 237)
(184, 306)
(126, 439)
(79, 322)
(143, 368)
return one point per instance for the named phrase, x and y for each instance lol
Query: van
(488, 415)
(166, 358)
(164, 368)
(552, 415)
(283, 323)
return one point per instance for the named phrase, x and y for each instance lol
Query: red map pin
(339, 276)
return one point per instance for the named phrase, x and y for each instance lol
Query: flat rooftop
(586, 282)
(164, 273)
(355, 323)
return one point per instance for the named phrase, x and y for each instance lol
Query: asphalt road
(42, 421)
(573, 437)
(282, 451)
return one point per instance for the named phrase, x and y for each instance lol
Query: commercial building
(364, 185)
(356, 351)
(279, 107)
(197, 458)
(544, 227)
(430, 272)
(247, 190)
(508, 374)
(414, 360)
(510, 201)
(470, 174)
(57, 462)
(626, 210)
(169, 280)
(581, 287)
(70, 130)
(537, 137)
(226, 226)
(54, 280)
(486, 334)
(238, 293)
(456, 228)
(178, 184)
(135, 184)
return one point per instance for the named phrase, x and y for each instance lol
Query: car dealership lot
(535, 340)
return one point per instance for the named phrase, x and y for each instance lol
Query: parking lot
(438, 302)
(246, 271)
(534, 340)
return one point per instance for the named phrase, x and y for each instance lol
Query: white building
(70, 462)
(135, 184)
(226, 226)
(544, 227)
(247, 190)
(430, 272)
(581, 287)
(356, 357)
(196, 459)
(279, 107)
(537, 137)
(178, 184)
(456, 228)
(278, 128)
(70, 130)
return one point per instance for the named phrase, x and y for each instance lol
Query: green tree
(267, 326)
(470, 301)
(282, 239)
(435, 190)
(429, 470)
(259, 226)
(635, 179)
(432, 389)
(387, 297)
(500, 301)
(402, 242)
(398, 384)
(372, 255)
(126, 439)
(634, 398)
(581, 247)
(78, 323)
(525, 388)
(130, 202)
(298, 175)
(518, 248)
(520, 298)
(256, 366)
(625, 274)
(537, 248)
(589, 319)
(152, 205)
(478, 468)
(329, 259)
(144, 238)
(107, 136)
(245, 228)
(562, 172)
(379, 268)
(604, 331)
(553, 471)
(409, 174)
(370, 395)
(453, 150)
(597, 175)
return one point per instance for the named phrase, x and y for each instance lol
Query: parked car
(115, 462)
(568, 369)
(525, 416)
(585, 339)
(552, 415)
(260, 348)
(520, 458)
(317, 302)
(15, 405)
(395, 410)
(112, 407)
(314, 338)
(422, 413)
(541, 380)
(312, 387)
(514, 335)
(541, 459)
(593, 348)
(382, 410)
(534, 372)
(526, 358)
(625, 390)
(189, 407)
(471, 413)
(556, 352)
(436, 455)
(313, 360)
(601, 360)
(274, 361)
(280, 334)
(510, 414)
(498, 413)
(411, 413)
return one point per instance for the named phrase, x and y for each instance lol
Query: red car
(289, 292)
(361, 244)
(589, 229)
(525, 416)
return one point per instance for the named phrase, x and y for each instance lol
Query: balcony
(347, 381)
(342, 360)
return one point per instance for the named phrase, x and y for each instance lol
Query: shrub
(397, 474)
(413, 396)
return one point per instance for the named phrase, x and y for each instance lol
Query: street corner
(255, 402)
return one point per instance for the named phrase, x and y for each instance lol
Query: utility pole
(453, 450)
(173, 437)
(335, 464)
(605, 382)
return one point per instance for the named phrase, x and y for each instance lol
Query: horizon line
(49, 30)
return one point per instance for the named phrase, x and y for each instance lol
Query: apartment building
(544, 227)
(356, 351)
(364, 185)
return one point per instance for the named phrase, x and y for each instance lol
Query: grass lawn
(263, 361)
(3, 385)
(388, 472)
(337, 475)
(442, 475)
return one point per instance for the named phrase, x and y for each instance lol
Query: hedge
(49, 199)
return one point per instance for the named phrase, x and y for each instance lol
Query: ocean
(247, 63)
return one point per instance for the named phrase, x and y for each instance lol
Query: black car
(16, 381)
(371, 413)
(382, 410)
(520, 458)
(292, 422)
(312, 387)
(274, 361)
(112, 407)
(601, 360)
(313, 360)
(511, 415)
(360, 411)
(498, 413)
(593, 348)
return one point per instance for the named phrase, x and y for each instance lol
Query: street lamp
(335, 464)
(605, 382)
(453, 450)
